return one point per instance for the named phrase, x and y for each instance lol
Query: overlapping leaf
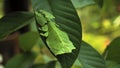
(113, 50)
(99, 2)
(14, 21)
(68, 20)
(90, 58)
(111, 64)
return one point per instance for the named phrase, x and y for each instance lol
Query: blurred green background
(1, 7)
(100, 25)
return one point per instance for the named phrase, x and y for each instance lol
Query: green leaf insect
(57, 40)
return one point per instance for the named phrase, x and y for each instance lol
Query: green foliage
(21, 61)
(60, 29)
(99, 2)
(82, 3)
(68, 21)
(28, 40)
(90, 58)
(64, 45)
(14, 21)
(111, 64)
(113, 50)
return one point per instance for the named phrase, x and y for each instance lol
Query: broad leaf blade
(111, 64)
(13, 22)
(28, 40)
(90, 58)
(68, 20)
(82, 3)
(21, 61)
(113, 50)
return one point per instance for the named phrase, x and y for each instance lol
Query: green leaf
(111, 64)
(61, 44)
(67, 19)
(99, 2)
(14, 21)
(77, 64)
(40, 18)
(21, 61)
(48, 65)
(28, 40)
(82, 3)
(64, 45)
(113, 50)
(90, 58)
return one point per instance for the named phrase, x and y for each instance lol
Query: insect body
(56, 39)
(42, 23)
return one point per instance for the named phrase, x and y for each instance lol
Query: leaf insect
(57, 40)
